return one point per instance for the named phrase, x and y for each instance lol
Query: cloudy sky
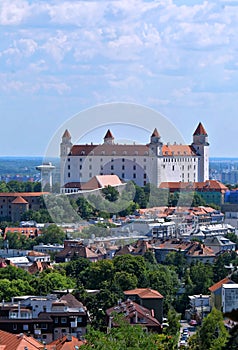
(58, 58)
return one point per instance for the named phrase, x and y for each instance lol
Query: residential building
(75, 249)
(44, 318)
(212, 191)
(20, 341)
(220, 244)
(229, 297)
(14, 204)
(216, 292)
(149, 298)
(68, 342)
(135, 314)
(154, 162)
(199, 307)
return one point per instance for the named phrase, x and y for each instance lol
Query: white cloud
(13, 12)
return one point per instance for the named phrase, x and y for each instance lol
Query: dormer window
(82, 153)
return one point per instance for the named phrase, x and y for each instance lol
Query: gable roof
(65, 343)
(144, 293)
(19, 200)
(9, 341)
(130, 308)
(101, 181)
(200, 130)
(219, 284)
(72, 302)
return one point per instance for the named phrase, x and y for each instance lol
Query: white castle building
(154, 162)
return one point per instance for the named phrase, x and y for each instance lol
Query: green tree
(212, 335)
(52, 234)
(110, 193)
(126, 337)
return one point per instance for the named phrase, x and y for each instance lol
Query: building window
(68, 159)
(144, 183)
(90, 175)
(80, 319)
(80, 159)
(173, 167)
(134, 175)
(80, 167)
(144, 176)
(68, 174)
(44, 326)
(112, 160)
(123, 175)
(123, 159)
(90, 167)
(25, 327)
(134, 167)
(56, 320)
(90, 159)
(112, 167)
(123, 167)
(144, 159)
(14, 326)
(63, 320)
(68, 167)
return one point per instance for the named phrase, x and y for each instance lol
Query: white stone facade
(152, 163)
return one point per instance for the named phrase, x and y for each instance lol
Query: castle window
(90, 167)
(173, 167)
(82, 152)
(112, 167)
(80, 167)
(134, 167)
(123, 167)
(101, 167)
(112, 160)
(144, 176)
(134, 159)
(122, 175)
(68, 159)
(90, 159)
(101, 159)
(90, 174)
(134, 175)
(144, 159)
(68, 167)
(123, 159)
(80, 159)
(144, 183)
(68, 174)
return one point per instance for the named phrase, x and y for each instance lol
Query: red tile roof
(200, 130)
(65, 343)
(131, 308)
(18, 342)
(178, 150)
(22, 194)
(144, 293)
(101, 181)
(219, 284)
(209, 185)
(19, 200)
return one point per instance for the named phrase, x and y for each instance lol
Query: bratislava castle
(154, 162)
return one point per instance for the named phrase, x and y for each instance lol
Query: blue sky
(58, 58)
